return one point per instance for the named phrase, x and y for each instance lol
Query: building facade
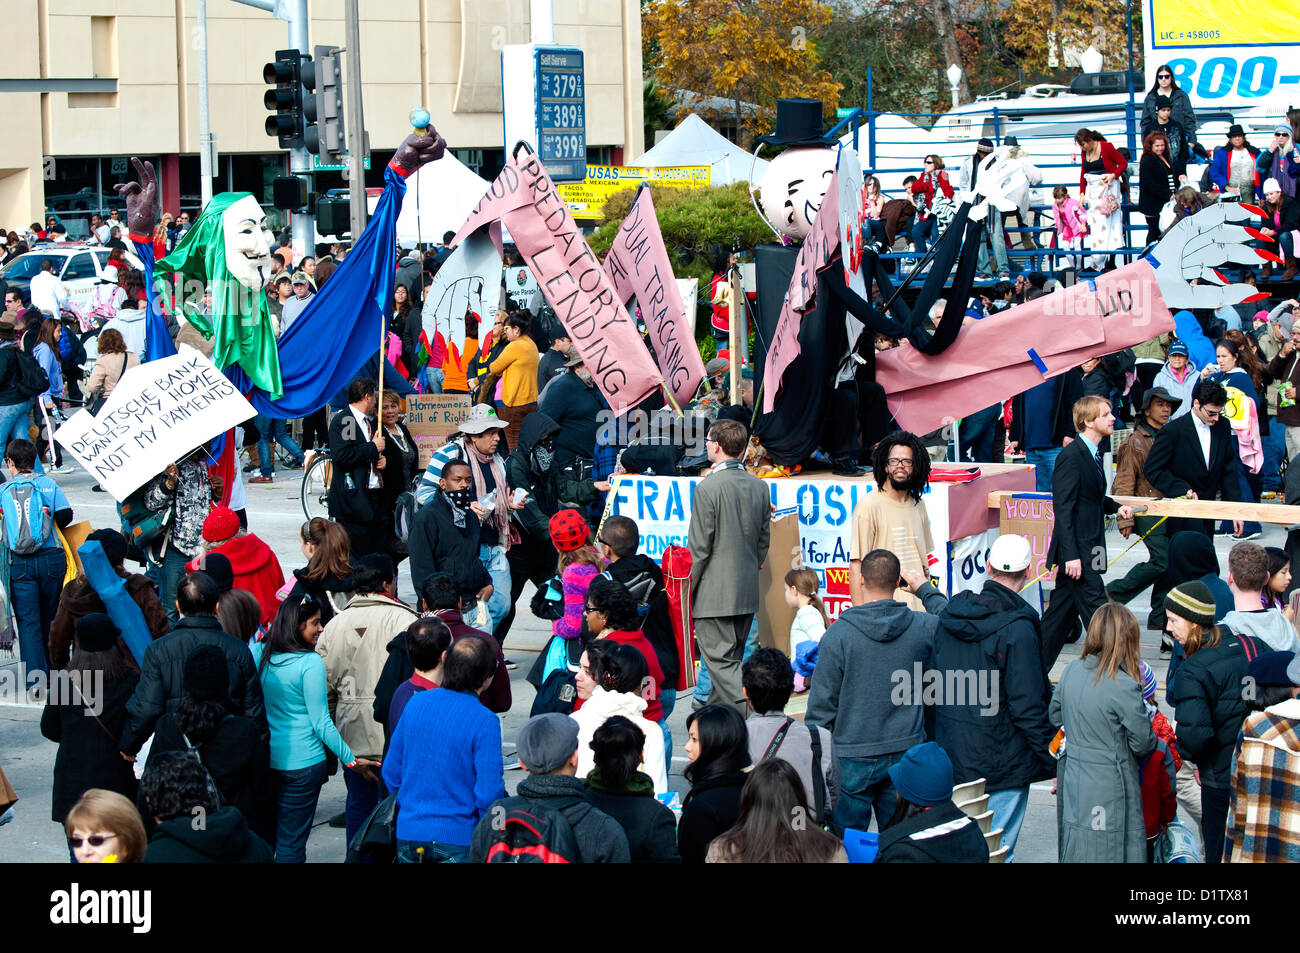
(88, 83)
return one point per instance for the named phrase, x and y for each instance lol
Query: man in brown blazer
(731, 515)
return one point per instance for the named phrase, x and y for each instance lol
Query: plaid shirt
(1264, 816)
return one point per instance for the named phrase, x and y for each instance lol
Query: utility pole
(205, 120)
(355, 121)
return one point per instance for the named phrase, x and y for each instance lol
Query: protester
(616, 788)
(444, 762)
(445, 535)
(1278, 587)
(926, 826)
(516, 368)
(1042, 422)
(574, 403)
(401, 466)
(1248, 575)
(1236, 367)
(768, 681)
(357, 459)
(85, 715)
(178, 790)
(304, 289)
(611, 614)
(893, 517)
(552, 364)
(728, 539)
(1262, 805)
(1098, 704)
(36, 561)
(354, 647)
(185, 489)
(718, 749)
(240, 615)
(1000, 732)
(1179, 376)
(1207, 700)
(424, 644)
(103, 827)
(275, 430)
(773, 826)
(112, 362)
(327, 578)
(79, 599)
(577, 566)
(1193, 456)
(253, 565)
(232, 748)
(620, 675)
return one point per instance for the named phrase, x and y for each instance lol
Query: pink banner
(637, 264)
(991, 361)
(571, 279)
(818, 248)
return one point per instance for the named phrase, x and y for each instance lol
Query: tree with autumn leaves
(745, 51)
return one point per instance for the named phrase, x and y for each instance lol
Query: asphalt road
(275, 515)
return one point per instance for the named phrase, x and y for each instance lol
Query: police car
(79, 266)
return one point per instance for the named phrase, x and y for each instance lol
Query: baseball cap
(1178, 347)
(1010, 553)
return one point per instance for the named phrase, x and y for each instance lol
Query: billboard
(1225, 53)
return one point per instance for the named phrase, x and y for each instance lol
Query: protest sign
(571, 278)
(586, 199)
(520, 284)
(784, 552)
(156, 415)
(432, 418)
(467, 281)
(637, 264)
(689, 289)
(1031, 516)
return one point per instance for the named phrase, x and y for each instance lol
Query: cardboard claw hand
(998, 178)
(416, 151)
(1195, 246)
(141, 199)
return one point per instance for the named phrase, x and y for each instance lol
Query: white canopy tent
(695, 142)
(439, 197)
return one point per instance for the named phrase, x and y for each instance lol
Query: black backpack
(27, 377)
(525, 832)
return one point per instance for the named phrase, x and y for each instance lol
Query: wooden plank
(1275, 513)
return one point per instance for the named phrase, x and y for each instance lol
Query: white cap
(1271, 186)
(1010, 553)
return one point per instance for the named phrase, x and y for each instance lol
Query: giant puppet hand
(141, 199)
(416, 151)
(1196, 245)
(998, 178)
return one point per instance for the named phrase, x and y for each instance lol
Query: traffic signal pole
(304, 223)
(355, 127)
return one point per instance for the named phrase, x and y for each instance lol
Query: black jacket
(224, 838)
(1068, 389)
(1208, 705)
(162, 678)
(712, 808)
(352, 455)
(576, 408)
(1153, 183)
(1290, 215)
(88, 751)
(437, 545)
(545, 490)
(650, 826)
(657, 623)
(1004, 740)
(1080, 503)
(920, 840)
(238, 756)
(332, 593)
(1176, 465)
(599, 837)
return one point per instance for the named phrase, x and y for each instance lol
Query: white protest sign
(689, 289)
(157, 414)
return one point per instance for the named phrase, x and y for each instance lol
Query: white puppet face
(793, 187)
(248, 243)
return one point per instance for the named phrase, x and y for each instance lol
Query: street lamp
(954, 80)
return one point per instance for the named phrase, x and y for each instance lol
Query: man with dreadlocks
(893, 517)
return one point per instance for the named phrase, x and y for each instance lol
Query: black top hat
(1235, 130)
(798, 123)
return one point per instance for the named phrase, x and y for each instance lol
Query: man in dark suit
(1079, 505)
(1193, 456)
(356, 452)
(731, 515)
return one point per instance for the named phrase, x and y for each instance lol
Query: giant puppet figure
(812, 352)
(228, 250)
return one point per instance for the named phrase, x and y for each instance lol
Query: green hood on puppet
(242, 331)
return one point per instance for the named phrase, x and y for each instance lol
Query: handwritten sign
(467, 281)
(156, 415)
(432, 418)
(1030, 516)
(571, 278)
(637, 264)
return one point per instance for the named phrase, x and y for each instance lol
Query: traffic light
(284, 98)
(333, 215)
(326, 137)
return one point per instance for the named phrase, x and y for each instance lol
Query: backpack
(642, 588)
(525, 832)
(404, 511)
(27, 377)
(28, 519)
(141, 525)
(548, 601)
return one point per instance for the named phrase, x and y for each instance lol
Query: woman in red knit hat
(254, 564)
(578, 565)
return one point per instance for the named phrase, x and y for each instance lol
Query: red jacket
(256, 570)
(1159, 771)
(925, 187)
(654, 709)
(1113, 162)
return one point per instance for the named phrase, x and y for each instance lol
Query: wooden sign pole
(1274, 513)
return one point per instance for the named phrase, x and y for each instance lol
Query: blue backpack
(28, 518)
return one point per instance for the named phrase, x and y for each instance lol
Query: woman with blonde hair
(1098, 704)
(104, 828)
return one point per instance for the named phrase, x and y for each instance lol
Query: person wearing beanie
(79, 599)
(1207, 699)
(251, 564)
(231, 747)
(577, 566)
(927, 827)
(86, 715)
(1264, 805)
(445, 535)
(1281, 218)
(1098, 704)
(1280, 160)
(1160, 770)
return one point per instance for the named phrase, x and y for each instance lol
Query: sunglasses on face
(94, 840)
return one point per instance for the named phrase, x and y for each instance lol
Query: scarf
(457, 512)
(500, 518)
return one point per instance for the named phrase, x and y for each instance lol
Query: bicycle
(315, 489)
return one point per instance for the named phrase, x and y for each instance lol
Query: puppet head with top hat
(795, 181)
